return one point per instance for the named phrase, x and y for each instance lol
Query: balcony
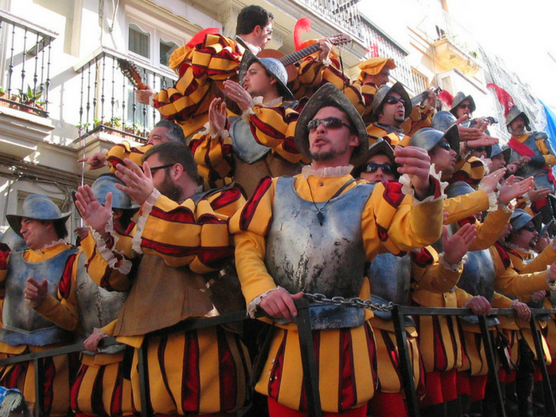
(454, 46)
(108, 111)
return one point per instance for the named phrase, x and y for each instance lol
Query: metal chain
(355, 302)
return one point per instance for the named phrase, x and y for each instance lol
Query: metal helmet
(443, 120)
(497, 150)
(383, 92)
(105, 184)
(458, 99)
(380, 147)
(331, 96)
(37, 207)
(427, 138)
(548, 228)
(272, 65)
(520, 218)
(513, 114)
(458, 188)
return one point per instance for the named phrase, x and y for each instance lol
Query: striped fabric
(204, 371)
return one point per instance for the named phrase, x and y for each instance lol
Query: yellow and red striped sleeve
(213, 157)
(97, 266)
(187, 234)
(121, 151)
(275, 127)
(419, 118)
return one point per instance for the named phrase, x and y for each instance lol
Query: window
(139, 41)
(166, 49)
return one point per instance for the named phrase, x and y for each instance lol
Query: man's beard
(323, 156)
(169, 189)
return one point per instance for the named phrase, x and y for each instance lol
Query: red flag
(301, 26)
(503, 97)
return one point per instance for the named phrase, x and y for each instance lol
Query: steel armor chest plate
(302, 255)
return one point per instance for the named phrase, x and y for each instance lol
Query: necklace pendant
(320, 217)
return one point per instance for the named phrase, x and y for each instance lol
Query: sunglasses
(394, 100)
(530, 227)
(464, 106)
(329, 123)
(445, 145)
(153, 169)
(386, 168)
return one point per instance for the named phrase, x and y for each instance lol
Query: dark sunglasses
(464, 106)
(530, 227)
(153, 169)
(329, 123)
(373, 167)
(394, 100)
(445, 145)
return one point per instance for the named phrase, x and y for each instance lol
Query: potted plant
(31, 98)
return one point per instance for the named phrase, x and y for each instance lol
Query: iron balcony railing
(107, 97)
(24, 64)
(311, 374)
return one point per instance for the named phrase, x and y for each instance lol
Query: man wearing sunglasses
(313, 233)
(391, 107)
(177, 237)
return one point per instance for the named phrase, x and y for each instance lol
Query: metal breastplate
(303, 255)
(97, 307)
(244, 144)
(478, 279)
(526, 170)
(389, 276)
(22, 324)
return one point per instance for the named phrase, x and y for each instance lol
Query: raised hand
(456, 246)
(512, 189)
(415, 162)
(139, 183)
(144, 96)
(95, 214)
(95, 161)
(217, 116)
(237, 93)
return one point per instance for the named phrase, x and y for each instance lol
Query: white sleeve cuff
(252, 307)
(492, 196)
(452, 267)
(407, 187)
(146, 209)
(255, 101)
(107, 253)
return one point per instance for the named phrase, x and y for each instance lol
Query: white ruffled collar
(326, 171)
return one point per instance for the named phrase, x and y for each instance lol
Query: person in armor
(180, 242)
(341, 223)
(391, 107)
(533, 154)
(48, 263)
(499, 157)
(258, 143)
(100, 388)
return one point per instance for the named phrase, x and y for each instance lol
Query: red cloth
(441, 387)
(478, 385)
(525, 150)
(391, 405)
(278, 410)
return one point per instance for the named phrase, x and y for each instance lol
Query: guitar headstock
(339, 39)
(130, 71)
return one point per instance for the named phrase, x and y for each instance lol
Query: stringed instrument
(130, 71)
(290, 59)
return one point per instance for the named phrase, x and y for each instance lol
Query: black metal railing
(108, 101)
(307, 350)
(24, 64)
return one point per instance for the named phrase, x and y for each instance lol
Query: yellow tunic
(405, 227)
